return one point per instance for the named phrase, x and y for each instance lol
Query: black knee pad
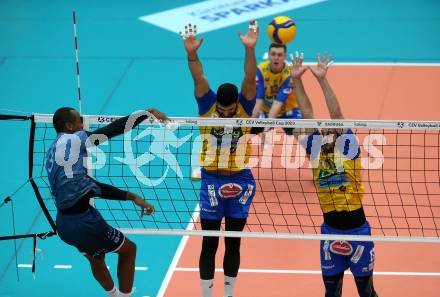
(365, 286)
(232, 245)
(209, 246)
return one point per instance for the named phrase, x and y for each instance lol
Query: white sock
(207, 285)
(229, 285)
(124, 294)
(113, 292)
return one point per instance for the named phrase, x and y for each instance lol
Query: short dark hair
(227, 94)
(62, 116)
(277, 45)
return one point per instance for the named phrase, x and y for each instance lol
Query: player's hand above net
(250, 39)
(190, 40)
(158, 114)
(320, 70)
(297, 68)
(146, 208)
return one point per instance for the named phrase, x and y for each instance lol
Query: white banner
(215, 14)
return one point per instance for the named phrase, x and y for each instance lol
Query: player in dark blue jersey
(78, 223)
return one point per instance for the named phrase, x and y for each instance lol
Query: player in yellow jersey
(336, 164)
(227, 186)
(275, 93)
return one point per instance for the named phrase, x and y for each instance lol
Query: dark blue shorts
(337, 256)
(89, 233)
(226, 196)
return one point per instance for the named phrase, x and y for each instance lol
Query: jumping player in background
(275, 93)
(227, 188)
(78, 223)
(337, 177)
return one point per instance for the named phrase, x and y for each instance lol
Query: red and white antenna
(77, 63)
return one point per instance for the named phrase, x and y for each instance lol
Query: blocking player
(337, 177)
(227, 188)
(78, 223)
(275, 93)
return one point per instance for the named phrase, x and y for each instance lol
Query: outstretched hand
(189, 39)
(158, 114)
(296, 68)
(320, 70)
(250, 39)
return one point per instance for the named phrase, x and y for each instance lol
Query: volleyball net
(399, 172)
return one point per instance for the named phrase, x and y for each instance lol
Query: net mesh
(400, 173)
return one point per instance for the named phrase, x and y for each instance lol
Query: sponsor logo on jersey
(341, 248)
(230, 190)
(287, 91)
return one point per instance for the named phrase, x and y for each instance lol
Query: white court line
(177, 255)
(62, 266)
(139, 268)
(287, 271)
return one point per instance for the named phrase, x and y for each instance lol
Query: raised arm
(201, 86)
(249, 85)
(259, 95)
(320, 72)
(119, 126)
(296, 71)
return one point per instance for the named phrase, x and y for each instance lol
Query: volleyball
(281, 30)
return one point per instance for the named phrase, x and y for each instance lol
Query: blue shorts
(226, 196)
(338, 256)
(291, 114)
(89, 233)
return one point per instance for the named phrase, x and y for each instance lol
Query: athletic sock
(207, 285)
(113, 292)
(229, 285)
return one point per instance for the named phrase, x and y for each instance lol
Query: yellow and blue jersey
(216, 139)
(275, 87)
(337, 176)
